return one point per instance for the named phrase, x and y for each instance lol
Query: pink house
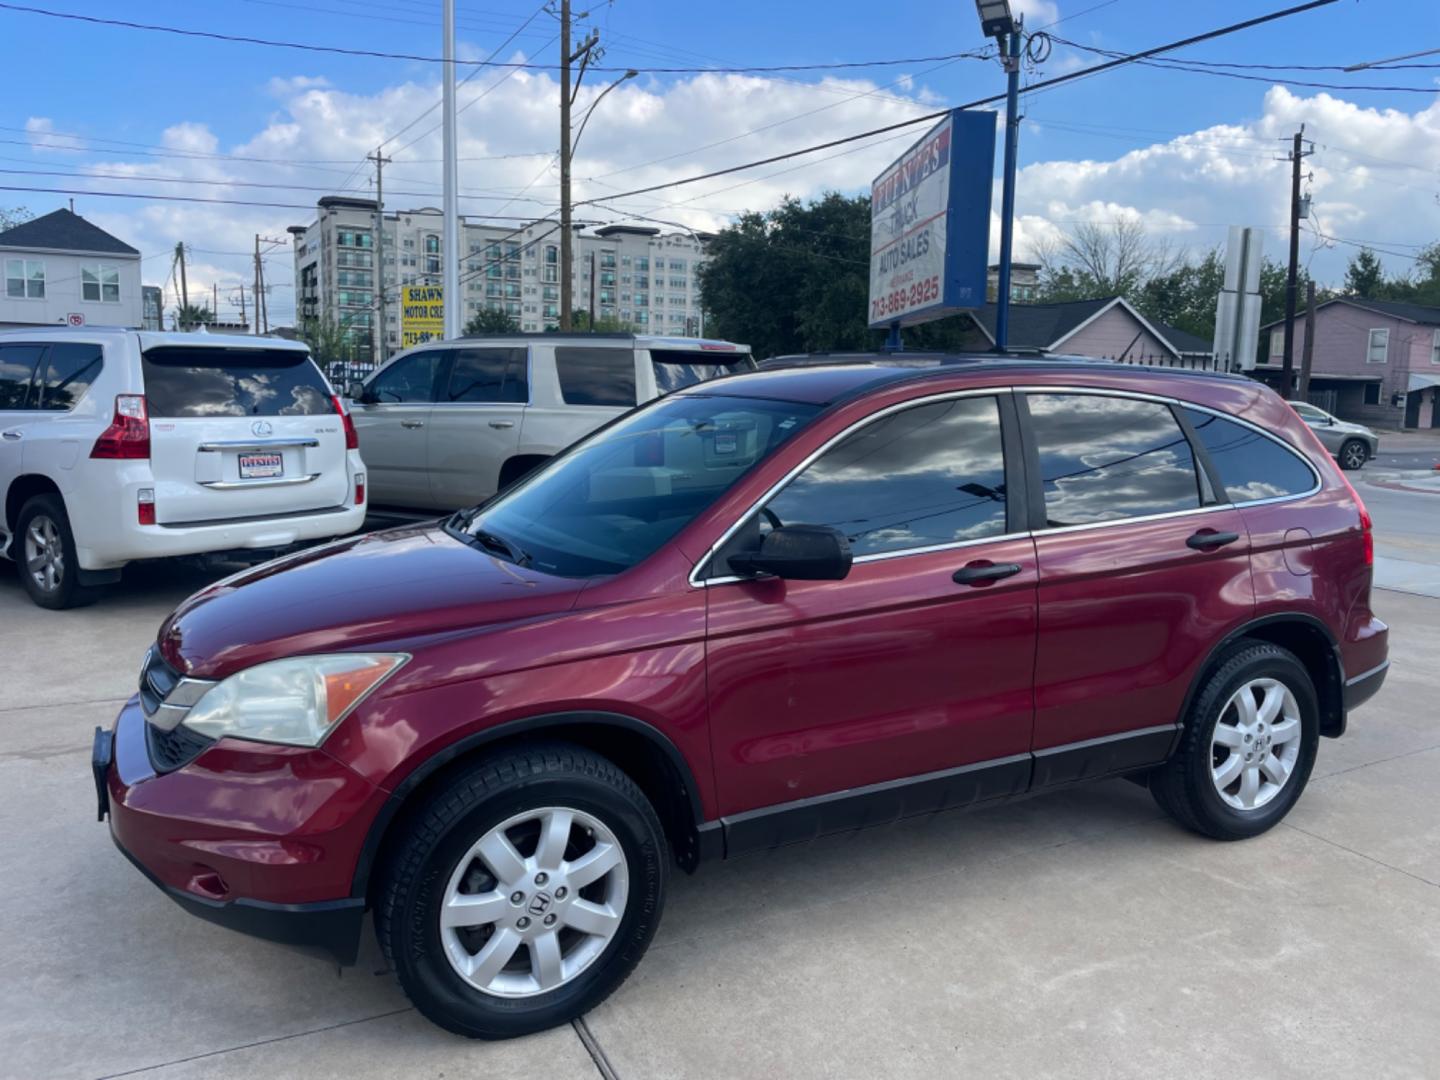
(1108, 328)
(1376, 362)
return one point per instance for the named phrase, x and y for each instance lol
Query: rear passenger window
(17, 366)
(1105, 458)
(596, 376)
(65, 375)
(185, 381)
(1251, 465)
(488, 376)
(934, 474)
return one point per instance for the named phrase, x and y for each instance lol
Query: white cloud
(1370, 169)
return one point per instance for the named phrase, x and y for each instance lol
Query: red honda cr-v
(751, 613)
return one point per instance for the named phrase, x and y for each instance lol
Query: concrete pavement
(1072, 935)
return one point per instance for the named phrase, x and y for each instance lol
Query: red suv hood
(384, 587)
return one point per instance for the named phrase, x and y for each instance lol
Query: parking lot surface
(1078, 934)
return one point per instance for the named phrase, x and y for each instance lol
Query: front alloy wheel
(1353, 455)
(522, 891)
(515, 924)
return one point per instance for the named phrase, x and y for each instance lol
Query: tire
(1188, 787)
(52, 582)
(1353, 455)
(436, 859)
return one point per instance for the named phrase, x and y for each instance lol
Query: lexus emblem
(261, 428)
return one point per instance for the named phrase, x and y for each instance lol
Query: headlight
(295, 701)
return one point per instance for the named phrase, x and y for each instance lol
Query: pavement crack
(1361, 854)
(1378, 761)
(63, 704)
(250, 1045)
(593, 1048)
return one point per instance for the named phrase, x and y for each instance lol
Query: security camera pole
(997, 21)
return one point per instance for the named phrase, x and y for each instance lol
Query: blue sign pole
(1007, 197)
(892, 339)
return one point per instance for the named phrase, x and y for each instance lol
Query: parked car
(448, 424)
(1352, 445)
(750, 613)
(117, 445)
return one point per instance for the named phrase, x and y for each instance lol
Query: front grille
(165, 691)
(169, 750)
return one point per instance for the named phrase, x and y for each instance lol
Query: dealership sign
(422, 314)
(930, 224)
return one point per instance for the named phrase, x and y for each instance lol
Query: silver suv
(1350, 444)
(448, 424)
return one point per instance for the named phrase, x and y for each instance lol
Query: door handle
(981, 573)
(412, 423)
(502, 424)
(1206, 539)
(12, 435)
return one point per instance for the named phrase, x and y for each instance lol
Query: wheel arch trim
(1332, 726)
(531, 725)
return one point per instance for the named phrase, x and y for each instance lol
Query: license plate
(261, 466)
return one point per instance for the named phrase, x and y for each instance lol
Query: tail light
(1367, 526)
(128, 436)
(145, 506)
(352, 437)
(359, 489)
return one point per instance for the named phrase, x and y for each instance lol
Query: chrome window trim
(1376, 670)
(696, 582)
(930, 399)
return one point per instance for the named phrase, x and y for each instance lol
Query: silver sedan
(1350, 444)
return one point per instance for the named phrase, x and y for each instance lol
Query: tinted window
(67, 373)
(934, 474)
(676, 369)
(596, 376)
(617, 497)
(1103, 458)
(186, 381)
(1251, 465)
(488, 375)
(409, 380)
(17, 365)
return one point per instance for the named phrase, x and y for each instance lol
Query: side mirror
(356, 390)
(1329, 421)
(799, 553)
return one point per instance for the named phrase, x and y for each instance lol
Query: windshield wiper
(497, 543)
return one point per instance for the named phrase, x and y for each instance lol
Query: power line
(941, 113)
(341, 50)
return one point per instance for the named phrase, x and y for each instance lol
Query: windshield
(614, 499)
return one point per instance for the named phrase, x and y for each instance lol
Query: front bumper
(261, 839)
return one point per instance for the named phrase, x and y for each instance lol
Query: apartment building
(640, 276)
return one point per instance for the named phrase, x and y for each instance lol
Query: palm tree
(188, 316)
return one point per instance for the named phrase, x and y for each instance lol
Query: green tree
(491, 321)
(1185, 296)
(1365, 276)
(606, 324)
(189, 316)
(14, 215)
(329, 341)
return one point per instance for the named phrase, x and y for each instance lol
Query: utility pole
(257, 294)
(1007, 198)
(215, 294)
(381, 335)
(584, 54)
(242, 303)
(1309, 350)
(1298, 153)
(184, 288)
(450, 244)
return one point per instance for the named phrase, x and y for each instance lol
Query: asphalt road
(1407, 538)
(1079, 934)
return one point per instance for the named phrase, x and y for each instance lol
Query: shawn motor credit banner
(930, 223)
(422, 314)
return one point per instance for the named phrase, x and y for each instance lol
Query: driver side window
(923, 477)
(407, 381)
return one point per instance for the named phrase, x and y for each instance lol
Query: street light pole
(450, 242)
(1007, 197)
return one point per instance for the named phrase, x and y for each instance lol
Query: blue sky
(1186, 152)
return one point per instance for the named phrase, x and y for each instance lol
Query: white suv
(118, 445)
(448, 423)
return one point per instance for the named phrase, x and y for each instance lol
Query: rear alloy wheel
(1247, 746)
(44, 549)
(1353, 455)
(523, 891)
